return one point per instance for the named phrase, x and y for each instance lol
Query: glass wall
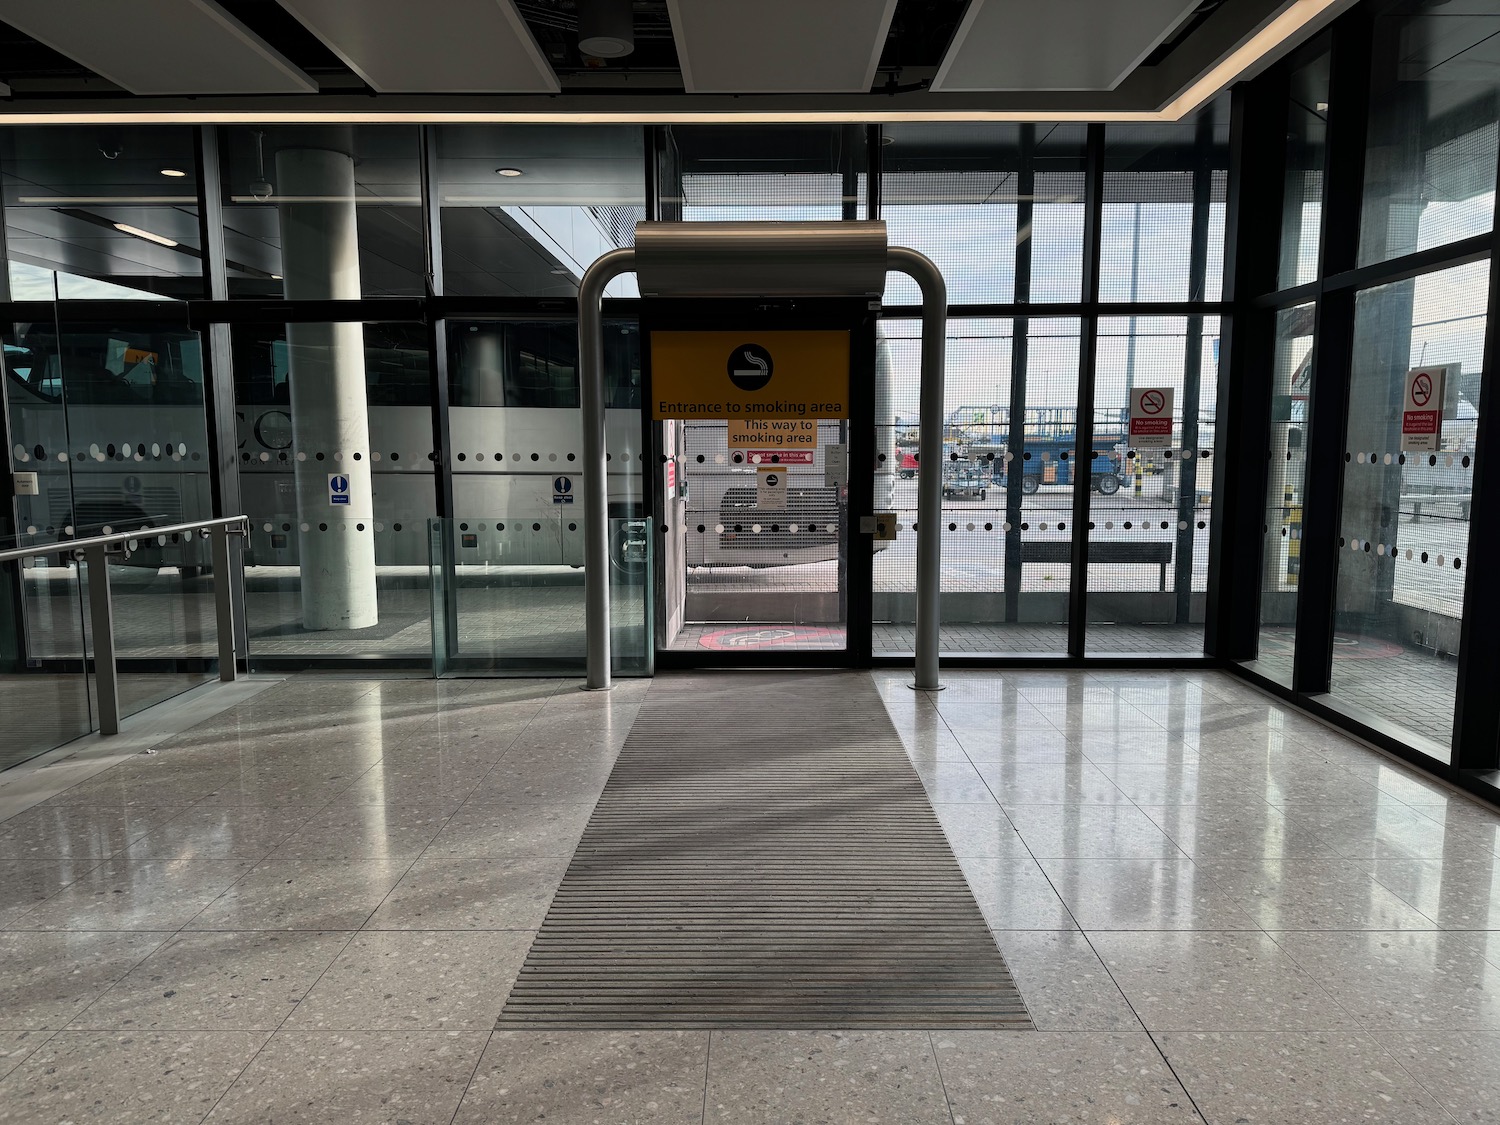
(337, 476)
(101, 213)
(745, 173)
(1306, 149)
(527, 208)
(1286, 488)
(1405, 527)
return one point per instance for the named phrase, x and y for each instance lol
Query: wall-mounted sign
(770, 488)
(338, 490)
(1151, 418)
(738, 375)
(773, 433)
(562, 490)
(773, 457)
(1422, 409)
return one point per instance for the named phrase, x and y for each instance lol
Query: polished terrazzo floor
(309, 907)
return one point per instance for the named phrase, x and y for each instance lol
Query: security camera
(261, 190)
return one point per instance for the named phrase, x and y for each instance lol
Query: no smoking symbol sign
(1421, 390)
(1152, 402)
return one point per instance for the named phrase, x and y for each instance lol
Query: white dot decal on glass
(1360, 458)
(99, 456)
(1109, 525)
(1448, 461)
(94, 449)
(1041, 527)
(1187, 454)
(718, 458)
(1380, 549)
(718, 529)
(108, 530)
(62, 456)
(265, 456)
(343, 527)
(1182, 525)
(969, 526)
(755, 527)
(301, 456)
(20, 452)
(31, 531)
(265, 527)
(138, 457)
(515, 456)
(1440, 560)
(161, 540)
(792, 528)
(68, 530)
(380, 527)
(304, 527)
(1006, 525)
(155, 449)
(1408, 554)
(337, 456)
(376, 457)
(552, 456)
(1387, 458)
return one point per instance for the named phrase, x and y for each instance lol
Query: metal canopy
(807, 259)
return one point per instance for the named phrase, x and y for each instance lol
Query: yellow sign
(773, 433)
(134, 356)
(736, 375)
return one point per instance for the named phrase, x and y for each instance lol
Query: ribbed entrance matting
(764, 855)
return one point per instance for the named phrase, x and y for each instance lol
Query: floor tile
(623, 1077)
(1457, 1068)
(60, 832)
(135, 894)
(415, 981)
(1015, 894)
(1298, 1078)
(1064, 984)
(412, 1077)
(1032, 783)
(954, 783)
(174, 1076)
(1231, 981)
(1052, 1078)
(16, 1047)
(528, 829)
(47, 979)
(220, 832)
(471, 894)
(1143, 894)
(243, 981)
(1437, 980)
(25, 883)
(980, 831)
(1236, 829)
(365, 831)
(876, 1076)
(1458, 894)
(303, 894)
(1312, 894)
(1090, 831)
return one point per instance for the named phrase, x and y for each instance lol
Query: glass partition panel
(106, 212)
(1286, 479)
(336, 475)
(1306, 145)
(1431, 147)
(1149, 508)
(719, 173)
(1404, 529)
(512, 598)
(527, 208)
(322, 212)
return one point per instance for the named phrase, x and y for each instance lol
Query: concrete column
(320, 261)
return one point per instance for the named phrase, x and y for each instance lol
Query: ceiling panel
(159, 46)
(454, 47)
(779, 46)
(1015, 45)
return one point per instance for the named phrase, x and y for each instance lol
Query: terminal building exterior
(302, 811)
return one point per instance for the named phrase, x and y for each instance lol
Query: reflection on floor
(312, 906)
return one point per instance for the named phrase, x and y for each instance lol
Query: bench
(1416, 499)
(1102, 551)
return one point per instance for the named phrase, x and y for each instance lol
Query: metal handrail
(59, 545)
(94, 551)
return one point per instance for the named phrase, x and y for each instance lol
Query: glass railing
(508, 599)
(98, 624)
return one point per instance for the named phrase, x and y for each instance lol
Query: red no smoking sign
(1151, 418)
(1422, 410)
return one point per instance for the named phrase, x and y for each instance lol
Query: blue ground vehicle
(1048, 465)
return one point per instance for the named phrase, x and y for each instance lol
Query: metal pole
(223, 601)
(102, 624)
(605, 269)
(929, 278)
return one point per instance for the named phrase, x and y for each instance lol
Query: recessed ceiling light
(175, 173)
(159, 239)
(275, 277)
(507, 171)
